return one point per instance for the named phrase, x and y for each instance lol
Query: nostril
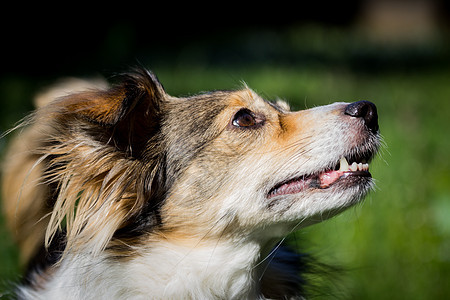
(366, 110)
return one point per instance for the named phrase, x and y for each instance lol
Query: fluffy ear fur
(96, 146)
(129, 110)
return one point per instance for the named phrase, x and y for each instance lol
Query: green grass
(396, 245)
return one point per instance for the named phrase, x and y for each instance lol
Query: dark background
(48, 41)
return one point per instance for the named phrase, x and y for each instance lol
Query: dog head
(132, 162)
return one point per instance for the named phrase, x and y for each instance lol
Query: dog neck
(166, 270)
(222, 269)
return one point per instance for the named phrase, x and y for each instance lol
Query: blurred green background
(395, 245)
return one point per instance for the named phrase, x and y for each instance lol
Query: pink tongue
(329, 177)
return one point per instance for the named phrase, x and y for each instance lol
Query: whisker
(271, 255)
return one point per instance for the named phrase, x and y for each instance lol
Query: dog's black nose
(366, 110)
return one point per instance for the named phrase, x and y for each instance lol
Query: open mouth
(348, 168)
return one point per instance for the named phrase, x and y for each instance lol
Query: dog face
(261, 166)
(221, 164)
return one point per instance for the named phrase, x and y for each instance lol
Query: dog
(121, 191)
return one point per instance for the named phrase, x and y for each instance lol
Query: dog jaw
(325, 168)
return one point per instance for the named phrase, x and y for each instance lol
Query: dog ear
(92, 137)
(129, 111)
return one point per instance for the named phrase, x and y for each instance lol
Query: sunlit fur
(138, 194)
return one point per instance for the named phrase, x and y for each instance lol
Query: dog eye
(244, 118)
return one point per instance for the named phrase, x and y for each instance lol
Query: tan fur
(25, 206)
(27, 200)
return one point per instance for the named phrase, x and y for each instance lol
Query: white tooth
(360, 167)
(366, 167)
(343, 165)
(354, 166)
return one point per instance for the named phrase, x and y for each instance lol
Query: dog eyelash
(244, 118)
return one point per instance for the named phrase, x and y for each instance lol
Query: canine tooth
(354, 166)
(343, 164)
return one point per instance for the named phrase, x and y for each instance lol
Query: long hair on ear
(102, 155)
